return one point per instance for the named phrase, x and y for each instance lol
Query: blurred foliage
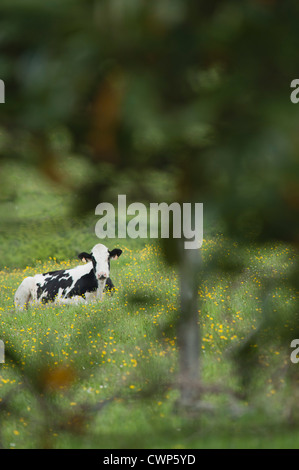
(197, 90)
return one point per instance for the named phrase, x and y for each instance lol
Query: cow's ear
(114, 254)
(84, 257)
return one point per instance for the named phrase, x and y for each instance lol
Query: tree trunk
(188, 327)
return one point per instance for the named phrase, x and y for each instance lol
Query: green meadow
(104, 375)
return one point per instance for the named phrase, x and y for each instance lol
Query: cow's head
(100, 257)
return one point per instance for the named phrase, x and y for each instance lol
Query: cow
(81, 284)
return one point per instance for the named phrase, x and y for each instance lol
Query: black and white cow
(83, 283)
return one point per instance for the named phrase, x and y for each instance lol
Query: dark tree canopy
(199, 90)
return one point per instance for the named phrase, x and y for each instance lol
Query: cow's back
(65, 283)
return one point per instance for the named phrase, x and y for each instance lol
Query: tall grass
(104, 375)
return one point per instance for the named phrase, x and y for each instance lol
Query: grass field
(104, 375)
